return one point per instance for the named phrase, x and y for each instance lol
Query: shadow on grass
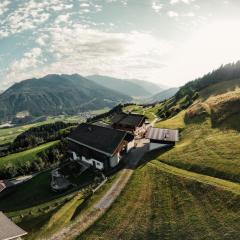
(151, 155)
(37, 191)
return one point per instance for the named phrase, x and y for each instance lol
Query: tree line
(39, 135)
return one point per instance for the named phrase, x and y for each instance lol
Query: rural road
(98, 209)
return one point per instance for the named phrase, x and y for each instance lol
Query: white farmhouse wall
(75, 157)
(153, 146)
(130, 145)
(99, 165)
(114, 161)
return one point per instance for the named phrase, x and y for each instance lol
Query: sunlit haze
(164, 41)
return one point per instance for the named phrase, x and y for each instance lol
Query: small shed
(9, 230)
(159, 136)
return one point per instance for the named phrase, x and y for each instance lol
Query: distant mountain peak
(131, 87)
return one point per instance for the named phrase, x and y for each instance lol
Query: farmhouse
(99, 147)
(158, 136)
(9, 230)
(134, 123)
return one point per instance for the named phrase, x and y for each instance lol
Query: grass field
(33, 203)
(167, 203)
(203, 149)
(9, 134)
(19, 159)
(39, 210)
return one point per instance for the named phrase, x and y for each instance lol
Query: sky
(168, 42)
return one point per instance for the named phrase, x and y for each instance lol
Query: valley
(187, 190)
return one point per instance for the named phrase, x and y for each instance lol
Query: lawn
(33, 204)
(39, 210)
(19, 159)
(42, 212)
(165, 203)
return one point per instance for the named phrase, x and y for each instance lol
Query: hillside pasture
(204, 149)
(166, 203)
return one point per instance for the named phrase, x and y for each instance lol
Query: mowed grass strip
(18, 159)
(160, 204)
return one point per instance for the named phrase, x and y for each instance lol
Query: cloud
(172, 14)
(156, 6)
(30, 14)
(62, 18)
(18, 69)
(4, 6)
(84, 50)
(181, 1)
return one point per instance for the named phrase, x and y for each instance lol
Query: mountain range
(130, 87)
(163, 95)
(70, 94)
(57, 94)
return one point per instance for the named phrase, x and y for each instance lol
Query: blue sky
(164, 41)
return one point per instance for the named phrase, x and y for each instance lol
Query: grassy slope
(19, 159)
(165, 203)
(204, 149)
(150, 113)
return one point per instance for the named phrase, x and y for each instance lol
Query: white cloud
(19, 68)
(82, 50)
(156, 6)
(62, 18)
(172, 14)
(181, 1)
(42, 39)
(30, 14)
(189, 14)
(84, 5)
(4, 6)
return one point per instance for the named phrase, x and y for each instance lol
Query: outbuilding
(159, 136)
(134, 123)
(9, 230)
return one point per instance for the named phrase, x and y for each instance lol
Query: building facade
(99, 147)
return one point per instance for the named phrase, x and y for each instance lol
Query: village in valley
(97, 149)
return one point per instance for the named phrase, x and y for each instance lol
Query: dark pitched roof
(133, 120)
(102, 139)
(8, 229)
(5, 184)
(167, 135)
